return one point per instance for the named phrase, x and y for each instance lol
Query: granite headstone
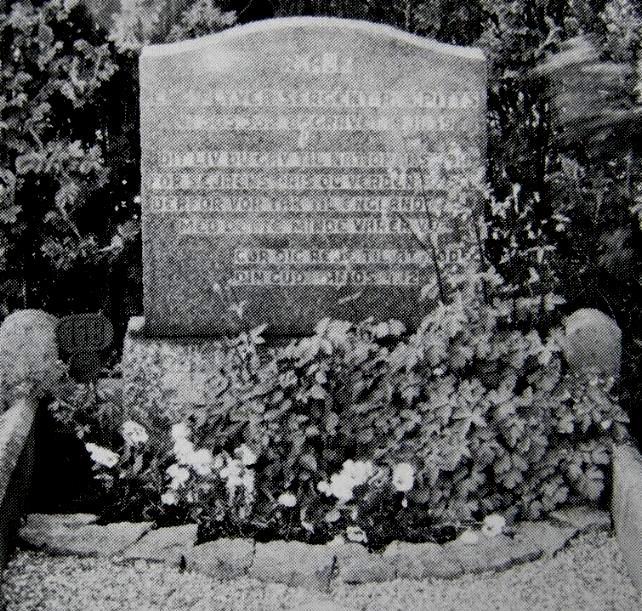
(308, 167)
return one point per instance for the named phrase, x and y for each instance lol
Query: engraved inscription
(316, 164)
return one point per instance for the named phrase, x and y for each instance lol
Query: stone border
(626, 508)
(315, 567)
(17, 459)
(29, 368)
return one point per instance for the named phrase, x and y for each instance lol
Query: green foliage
(58, 167)
(483, 414)
(141, 22)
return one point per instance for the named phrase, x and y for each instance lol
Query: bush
(370, 431)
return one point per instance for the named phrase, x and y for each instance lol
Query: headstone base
(166, 378)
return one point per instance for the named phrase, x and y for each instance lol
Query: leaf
(309, 462)
(331, 423)
(318, 392)
(256, 334)
(9, 215)
(30, 162)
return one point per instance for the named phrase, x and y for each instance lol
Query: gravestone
(308, 167)
(305, 168)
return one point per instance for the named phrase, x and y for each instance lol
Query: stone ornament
(29, 363)
(593, 342)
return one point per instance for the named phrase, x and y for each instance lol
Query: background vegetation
(565, 205)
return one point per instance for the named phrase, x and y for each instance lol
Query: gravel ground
(589, 575)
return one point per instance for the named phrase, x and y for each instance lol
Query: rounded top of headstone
(593, 342)
(283, 23)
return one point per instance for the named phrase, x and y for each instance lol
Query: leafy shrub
(368, 430)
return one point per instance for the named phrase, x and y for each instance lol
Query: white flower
(493, 525)
(404, 502)
(403, 477)
(179, 475)
(468, 537)
(184, 450)
(332, 516)
(233, 474)
(219, 462)
(287, 499)
(324, 487)
(354, 533)
(244, 452)
(180, 431)
(352, 474)
(134, 433)
(102, 456)
(247, 481)
(169, 498)
(201, 461)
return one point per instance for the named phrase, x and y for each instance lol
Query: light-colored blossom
(468, 537)
(247, 481)
(324, 487)
(493, 525)
(332, 516)
(356, 534)
(403, 477)
(179, 475)
(201, 461)
(134, 433)
(219, 462)
(184, 450)
(232, 473)
(287, 499)
(102, 456)
(169, 498)
(247, 456)
(180, 431)
(342, 484)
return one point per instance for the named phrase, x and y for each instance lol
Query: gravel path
(589, 575)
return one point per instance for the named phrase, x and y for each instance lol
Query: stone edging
(626, 508)
(17, 458)
(301, 564)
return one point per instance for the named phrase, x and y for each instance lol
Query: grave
(305, 168)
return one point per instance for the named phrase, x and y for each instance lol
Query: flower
(201, 461)
(247, 481)
(493, 525)
(341, 486)
(324, 487)
(179, 475)
(184, 450)
(169, 498)
(219, 462)
(234, 476)
(102, 456)
(180, 431)
(354, 533)
(248, 458)
(403, 477)
(134, 433)
(352, 474)
(468, 537)
(287, 499)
